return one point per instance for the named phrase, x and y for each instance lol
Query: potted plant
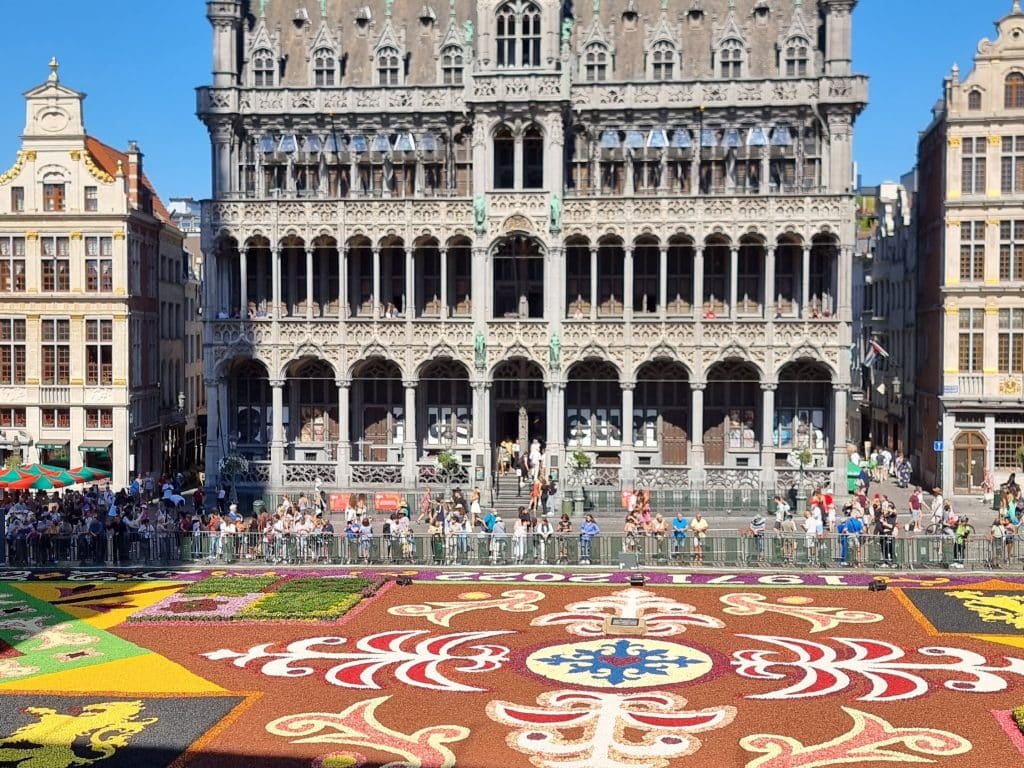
(579, 465)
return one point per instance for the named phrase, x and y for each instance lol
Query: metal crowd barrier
(719, 549)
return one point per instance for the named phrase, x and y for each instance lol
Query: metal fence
(718, 549)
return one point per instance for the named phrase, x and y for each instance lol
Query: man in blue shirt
(679, 526)
(588, 530)
(854, 530)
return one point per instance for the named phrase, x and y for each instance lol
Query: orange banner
(387, 501)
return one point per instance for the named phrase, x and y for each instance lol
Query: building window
(99, 264)
(388, 66)
(663, 60)
(972, 340)
(99, 352)
(53, 197)
(56, 335)
(99, 418)
(17, 199)
(533, 158)
(323, 67)
(731, 59)
(1011, 169)
(56, 258)
(796, 57)
(92, 199)
(12, 264)
(972, 251)
(1011, 250)
(974, 101)
(1013, 91)
(518, 32)
(972, 177)
(12, 417)
(55, 418)
(1011, 340)
(12, 351)
(595, 63)
(263, 69)
(451, 65)
(1006, 443)
(504, 158)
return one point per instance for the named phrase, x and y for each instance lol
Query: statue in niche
(480, 350)
(480, 213)
(555, 211)
(468, 31)
(555, 352)
(567, 25)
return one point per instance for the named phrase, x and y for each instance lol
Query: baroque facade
(82, 232)
(971, 250)
(625, 229)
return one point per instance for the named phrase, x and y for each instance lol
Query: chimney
(134, 174)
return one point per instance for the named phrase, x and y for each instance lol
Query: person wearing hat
(756, 530)
(938, 504)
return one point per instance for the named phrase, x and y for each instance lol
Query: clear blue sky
(139, 63)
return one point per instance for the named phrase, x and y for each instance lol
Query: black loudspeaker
(403, 581)
(637, 580)
(878, 585)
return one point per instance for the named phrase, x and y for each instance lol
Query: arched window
(518, 34)
(1014, 91)
(323, 67)
(731, 59)
(504, 158)
(595, 62)
(796, 57)
(451, 65)
(388, 66)
(263, 69)
(533, 158)
(663, 60)
(974, 101)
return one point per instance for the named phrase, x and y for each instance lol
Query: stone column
(444, 282)
(481, 422)
(409, 310)
(480, 282)
(593, 283)
(769, 283)
(734, 279)
(243, 282)
(409, 439)
(768, 415)
(556, 423)
(375, 305)
(277, 433)
(275, 279)
(517, 161)
(805, 283)
(663, 282)
(628, 452)
(697, 437)
(309, 283)
(627, 290)
(344, 438)
(343, 299)
(216, 432)
(698, 282)
(841, 393)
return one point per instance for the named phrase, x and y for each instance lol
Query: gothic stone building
(623, 228)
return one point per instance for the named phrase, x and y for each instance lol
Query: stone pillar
(409, 308)
(220, 138)
(628, 453)
(768, 415)
(838, 40)
(769, 283)
(805, 283)
(216, 432)
(697, 432)
(277, 433)
(663, 282)
(627, 290)
(243, 282)
(375, 305)
(481, 283)
(309, 283)
(734, 279)
(593, 283)
(444, 282)
(481, 422)
(409, 439)
(841, 393)
(517, 161)
(698, 282)
(343, 299)
(344, 427)
(275, 279)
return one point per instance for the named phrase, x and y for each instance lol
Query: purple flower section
(196, 607)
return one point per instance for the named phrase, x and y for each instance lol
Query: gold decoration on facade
(1010, 386)
(955, 142)
(76, 235)
(15, 169)
(995, 141)
(31, 235)
(103, 728)
(76, 155)
(97, 173)
(518, 223)
(993, 609)
(119, 235)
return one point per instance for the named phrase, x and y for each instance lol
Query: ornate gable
(323, 39)
(731, 29)
(663, 30)
(798, 27)
(389, 38)
(261, 38)
(598, 34)
(453, 35)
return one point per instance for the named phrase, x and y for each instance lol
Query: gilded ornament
(96, 172)
(15, 169)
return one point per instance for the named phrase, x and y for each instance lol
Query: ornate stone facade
(626, 232)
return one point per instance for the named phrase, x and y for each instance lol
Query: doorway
(519, 401)
(969, 462)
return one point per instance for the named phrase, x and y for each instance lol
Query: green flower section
(1018, 717)
(230, 586)
(309, 599)
(44, 639)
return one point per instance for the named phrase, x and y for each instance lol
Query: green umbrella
(44, 482)
(88, 474)
(13, 475)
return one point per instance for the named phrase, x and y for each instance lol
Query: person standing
(588, 530)
(699, 529)
(679, 527)
(914, 504)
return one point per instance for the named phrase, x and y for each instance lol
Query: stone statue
(480, 350)
(597, 7)
(480, 213)
(389, 6)
(468, 32)
(555, 209)
(566, 29)
(555, 352)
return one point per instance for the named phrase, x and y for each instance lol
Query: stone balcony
(965, 387)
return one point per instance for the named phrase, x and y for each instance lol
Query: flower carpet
(339, 669)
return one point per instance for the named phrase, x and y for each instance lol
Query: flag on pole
(875, 351)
